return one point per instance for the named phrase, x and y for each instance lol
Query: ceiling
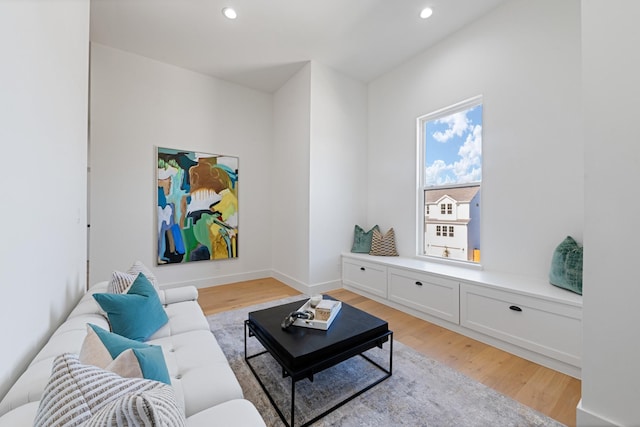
(271, 39)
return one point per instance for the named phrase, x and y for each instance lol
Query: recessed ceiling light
(426, 12)
(229, 13)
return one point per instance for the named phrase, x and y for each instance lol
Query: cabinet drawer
(430, 294)
(546, 327)
(367, 276)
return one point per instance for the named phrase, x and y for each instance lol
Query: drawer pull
(419, 283)
(515, 308)
(362, 268)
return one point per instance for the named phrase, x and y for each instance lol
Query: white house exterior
(452, 222)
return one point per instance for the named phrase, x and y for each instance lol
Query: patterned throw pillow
(139, 267)
(121, 282)
(77, 393)
(383, 245)
(362, 239)
(147, 408)
(136, 314)
(127, 358)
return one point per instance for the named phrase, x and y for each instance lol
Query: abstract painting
(197, 206)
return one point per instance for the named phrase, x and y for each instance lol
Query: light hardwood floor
(543, 389)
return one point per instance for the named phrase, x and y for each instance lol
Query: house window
(450, 173)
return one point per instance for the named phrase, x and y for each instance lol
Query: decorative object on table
(321, 317)
(383, 245)
(566, 266)
(315, 300)
(326, 308)
(362, 239)
(197, 206)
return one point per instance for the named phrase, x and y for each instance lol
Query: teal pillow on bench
(566, 266)
(362, 240)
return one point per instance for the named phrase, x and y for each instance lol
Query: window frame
(420, 171)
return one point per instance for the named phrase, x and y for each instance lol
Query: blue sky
(453, 151)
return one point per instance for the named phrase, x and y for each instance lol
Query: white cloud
(469, 167)
(438, 173)
(457, 123)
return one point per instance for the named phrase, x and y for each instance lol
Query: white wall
(524, 58)
(138, 104)
(43, 130)
(290, 190)
(611, 66)
(338, 171)
(319, 175)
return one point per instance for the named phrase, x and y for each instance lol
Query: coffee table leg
(293, 400)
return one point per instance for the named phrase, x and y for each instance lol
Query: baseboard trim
(305, 288)
(302, 287)
(220, 280)
(586, 418)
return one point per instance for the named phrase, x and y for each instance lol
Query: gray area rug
(421, 392)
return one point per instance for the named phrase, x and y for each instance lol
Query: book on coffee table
(323, 314)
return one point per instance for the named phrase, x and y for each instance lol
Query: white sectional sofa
(203, 382)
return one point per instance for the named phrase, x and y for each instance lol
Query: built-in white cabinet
(430, 294)
(366, 276)
(543, 326)
(524, 316)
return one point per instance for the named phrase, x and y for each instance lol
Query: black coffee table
(303, 352)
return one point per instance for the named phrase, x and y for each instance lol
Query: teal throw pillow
(138, 314)
(152, 363)
(109, 351)
(566, 266)
(362, 240)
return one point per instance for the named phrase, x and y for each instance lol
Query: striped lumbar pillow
(138, 268)
(77, 393)
(383, 245)
(121, 282)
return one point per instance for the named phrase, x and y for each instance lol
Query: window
(450, 173)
